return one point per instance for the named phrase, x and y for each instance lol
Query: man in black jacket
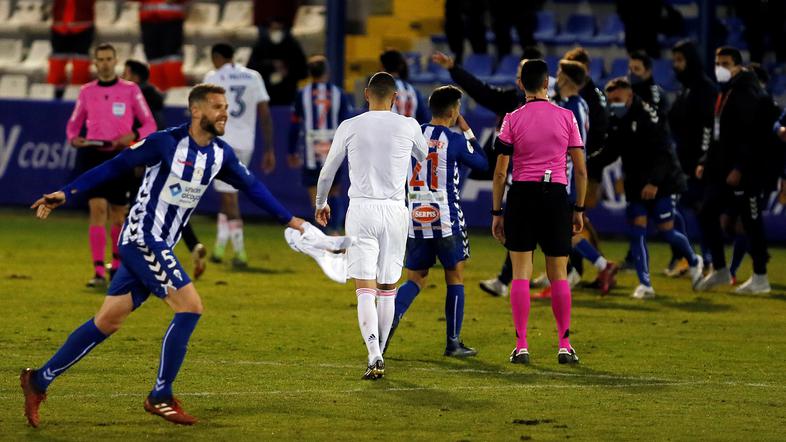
(690, 120)
(733, 172)
(596, 101)
(652, 177)
(643, 83)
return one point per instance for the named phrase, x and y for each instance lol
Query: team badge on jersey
(118, 109)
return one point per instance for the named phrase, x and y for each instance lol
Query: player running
(436, 228)
(539, 136)
(180, 163)
(108, 106)
(379, 145)
(248, 99)
(318, 110)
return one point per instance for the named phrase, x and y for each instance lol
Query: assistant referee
(539, 136)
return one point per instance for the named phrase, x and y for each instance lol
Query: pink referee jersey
(110, 110)
(540, 134)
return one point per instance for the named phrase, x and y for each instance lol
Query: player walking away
(653, 178)
(108, 107)
(409, 101)
(379, 145)
(318, 110)
(436, 226)
(161, 25)
(248, 99)
(539, 136)
(180, 163)
(571, 75)
(138, 72)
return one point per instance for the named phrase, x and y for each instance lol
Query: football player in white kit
(379, 145)
(248, 100)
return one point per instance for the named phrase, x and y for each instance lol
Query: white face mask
(276, 36)
(722, 74)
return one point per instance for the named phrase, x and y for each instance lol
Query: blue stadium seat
(663, 73)
(778, 85)
(619, 68)
(578, 29)
(610, 33)
(413, 62)
(479, 64)
(553, 62)
(547, 26)
(508, 66)
(597, 70)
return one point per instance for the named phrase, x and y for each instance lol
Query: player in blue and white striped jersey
(180, 164)
(409, 101)
(318, 110)
(437, 228)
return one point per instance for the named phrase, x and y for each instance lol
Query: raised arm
(471, 153)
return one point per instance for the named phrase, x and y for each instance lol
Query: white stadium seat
(127, 23)
(177, 96)
(106, 13)
(37, 61)
(5, 9)
(13, 86)
(238, 16)
(42, 91)
(10, 52)
(25, 14)
(139, 53)
(71, 92)
(242, 55)
(202, 20)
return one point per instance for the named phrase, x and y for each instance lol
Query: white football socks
(368, 322)
(236, 235)
(222, 233)
(386, 310)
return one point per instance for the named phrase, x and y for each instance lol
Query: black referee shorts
(162, 40)
(117, 191)
(538, 213)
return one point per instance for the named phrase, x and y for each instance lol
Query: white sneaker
(494, 287)
(574, 278)
(542, 281)
(714, 279)
(755, 285)
(643, 292)
(696, 272)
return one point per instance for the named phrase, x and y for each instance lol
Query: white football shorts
(379, 232)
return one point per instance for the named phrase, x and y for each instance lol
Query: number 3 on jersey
(433, 163)
(241, 105)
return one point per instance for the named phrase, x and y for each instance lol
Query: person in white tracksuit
(379, 145)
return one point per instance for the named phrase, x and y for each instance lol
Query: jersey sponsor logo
(118, 109)
(425, 214)
(182, 193)
(184, 162)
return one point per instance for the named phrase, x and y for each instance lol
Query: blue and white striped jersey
(410, 102)
(177, 173)
(318, 110)
(433, 184)
(580, 110)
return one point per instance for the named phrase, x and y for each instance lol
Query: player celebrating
(180, 164)
(109, 106)
(318, 110)
(379, 144)
(437, 226)
(540, 136)
(248, 99)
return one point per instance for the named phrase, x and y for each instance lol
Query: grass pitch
(277, 354)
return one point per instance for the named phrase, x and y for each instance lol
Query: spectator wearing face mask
(733, 170)
(640, 75)
(279, 58)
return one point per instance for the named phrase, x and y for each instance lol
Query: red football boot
(171, 411)
(33, 397)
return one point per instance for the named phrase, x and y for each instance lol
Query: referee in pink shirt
(539, 136)
(107, 108)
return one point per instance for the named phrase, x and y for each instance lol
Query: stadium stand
(41, 91)
(13, 86)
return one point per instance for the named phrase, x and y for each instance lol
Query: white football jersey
(244, 90)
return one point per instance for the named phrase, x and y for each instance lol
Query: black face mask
(682, 76)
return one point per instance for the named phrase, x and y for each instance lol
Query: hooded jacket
(692, 114)
(640, 138)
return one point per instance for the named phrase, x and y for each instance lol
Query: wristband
(468, 134)
(579, 208)
(499, 212)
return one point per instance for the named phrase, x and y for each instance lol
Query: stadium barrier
(35, 158)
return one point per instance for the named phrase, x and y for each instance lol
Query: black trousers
(747, 205)
(466, 19)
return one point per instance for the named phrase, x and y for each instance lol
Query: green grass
(277, 355)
